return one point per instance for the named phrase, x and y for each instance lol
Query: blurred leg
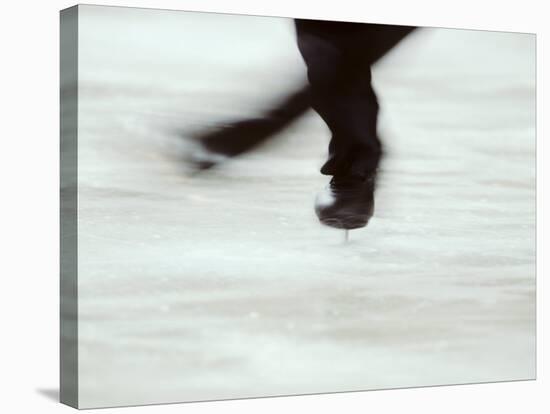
(338, 57)
(241, 136)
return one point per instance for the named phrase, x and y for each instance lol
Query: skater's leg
(241, 136)
(338, 57)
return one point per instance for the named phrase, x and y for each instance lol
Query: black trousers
(339, 56)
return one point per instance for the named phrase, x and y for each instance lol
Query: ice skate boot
(347, 202)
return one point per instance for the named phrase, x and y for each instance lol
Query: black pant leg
(338, 56)
(242, 136)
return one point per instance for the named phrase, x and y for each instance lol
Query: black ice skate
(347, 202)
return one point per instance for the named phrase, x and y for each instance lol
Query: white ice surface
(224, 285)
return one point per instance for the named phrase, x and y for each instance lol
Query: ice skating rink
(224, 285)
